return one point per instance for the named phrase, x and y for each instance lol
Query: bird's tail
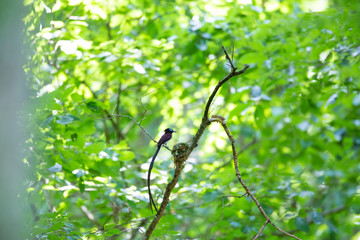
(148, 182)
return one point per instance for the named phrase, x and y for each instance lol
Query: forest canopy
(106, 78)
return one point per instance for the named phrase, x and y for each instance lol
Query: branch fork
(186, 150)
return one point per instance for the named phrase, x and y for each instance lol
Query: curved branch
(221, 120)
(205, 119)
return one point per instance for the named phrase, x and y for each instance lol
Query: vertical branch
(118, 103)
(165, 201)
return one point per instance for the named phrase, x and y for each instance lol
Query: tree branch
(118, 102)
(181, 152)
(221, 120)
(261, 229)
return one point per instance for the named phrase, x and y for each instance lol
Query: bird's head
(169, 130)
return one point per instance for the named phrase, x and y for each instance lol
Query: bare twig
(126, 116)
(229, 59)
(261, 229)
(137, 123)
(205, 119)
(242, 195)
(221, 120)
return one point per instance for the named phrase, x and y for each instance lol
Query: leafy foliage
(295, 114)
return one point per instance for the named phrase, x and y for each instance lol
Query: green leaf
(95, 147)
(87, 127)
(112, 232)
(301, 224)
(294, 116)
(126, 155)
(259, 114)
(66, 119)
(316, 217)
(93, 106)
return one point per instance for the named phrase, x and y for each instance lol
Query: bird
(164, 139)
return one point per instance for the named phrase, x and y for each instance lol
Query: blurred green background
(295, 116)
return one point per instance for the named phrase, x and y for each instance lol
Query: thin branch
(126, 116)
(237, 196)
(221, 120)
(220, 83)
(118, 102)
(116, 126)
(137, 123)
(229, 59)
(205, 119)
(261, 229)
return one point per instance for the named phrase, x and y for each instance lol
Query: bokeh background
(71, 169)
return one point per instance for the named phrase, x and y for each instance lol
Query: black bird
(164, 139)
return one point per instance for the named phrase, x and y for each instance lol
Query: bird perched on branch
(164, 139)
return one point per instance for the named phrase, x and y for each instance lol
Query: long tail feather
(148, 179)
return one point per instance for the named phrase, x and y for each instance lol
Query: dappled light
(264, 97)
